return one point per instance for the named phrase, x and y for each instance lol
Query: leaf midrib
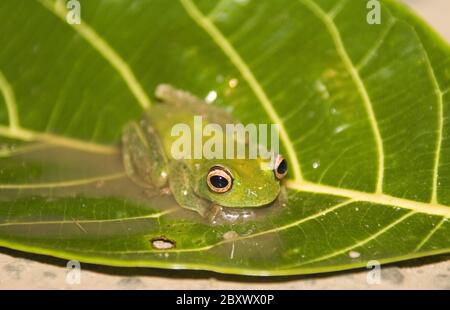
(376, 198)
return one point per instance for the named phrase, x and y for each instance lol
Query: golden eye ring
(281, 167)
(219, 179)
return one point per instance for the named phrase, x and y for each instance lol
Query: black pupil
(218, 181)
(282, 167)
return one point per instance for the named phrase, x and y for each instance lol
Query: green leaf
(364, 122)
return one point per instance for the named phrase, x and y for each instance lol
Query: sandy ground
(25, 271)
(435, 12)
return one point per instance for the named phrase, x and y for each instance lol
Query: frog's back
(179, 107)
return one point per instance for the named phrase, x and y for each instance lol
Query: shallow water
(51, 174)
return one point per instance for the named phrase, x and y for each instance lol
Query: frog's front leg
(143, 155)
(181, 188)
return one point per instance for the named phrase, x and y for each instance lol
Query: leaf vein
(29, 135)
(383, 199)
(337, 8)
(9, 152)
(10, 101)
(430, 234)
(261, 233)
(227, 48)
(440, 120)
(75, 221)
(335, 35)
(60, 184)
(372, 51)
(103, 47)
(359, 243)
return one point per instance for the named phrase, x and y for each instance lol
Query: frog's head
(241, 183)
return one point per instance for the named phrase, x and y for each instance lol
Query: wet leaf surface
(363, 108)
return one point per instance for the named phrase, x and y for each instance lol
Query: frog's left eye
(280, 167)
(219, 179)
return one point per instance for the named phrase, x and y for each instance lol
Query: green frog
(202, 185)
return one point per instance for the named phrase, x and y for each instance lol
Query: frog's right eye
(280, 167)
(219, 179)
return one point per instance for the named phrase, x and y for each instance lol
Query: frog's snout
(260, 196)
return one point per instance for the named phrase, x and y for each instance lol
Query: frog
(201, 185)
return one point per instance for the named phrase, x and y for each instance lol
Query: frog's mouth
(224, 214)
(255, 202)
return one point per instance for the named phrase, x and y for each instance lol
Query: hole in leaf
(162, 243)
